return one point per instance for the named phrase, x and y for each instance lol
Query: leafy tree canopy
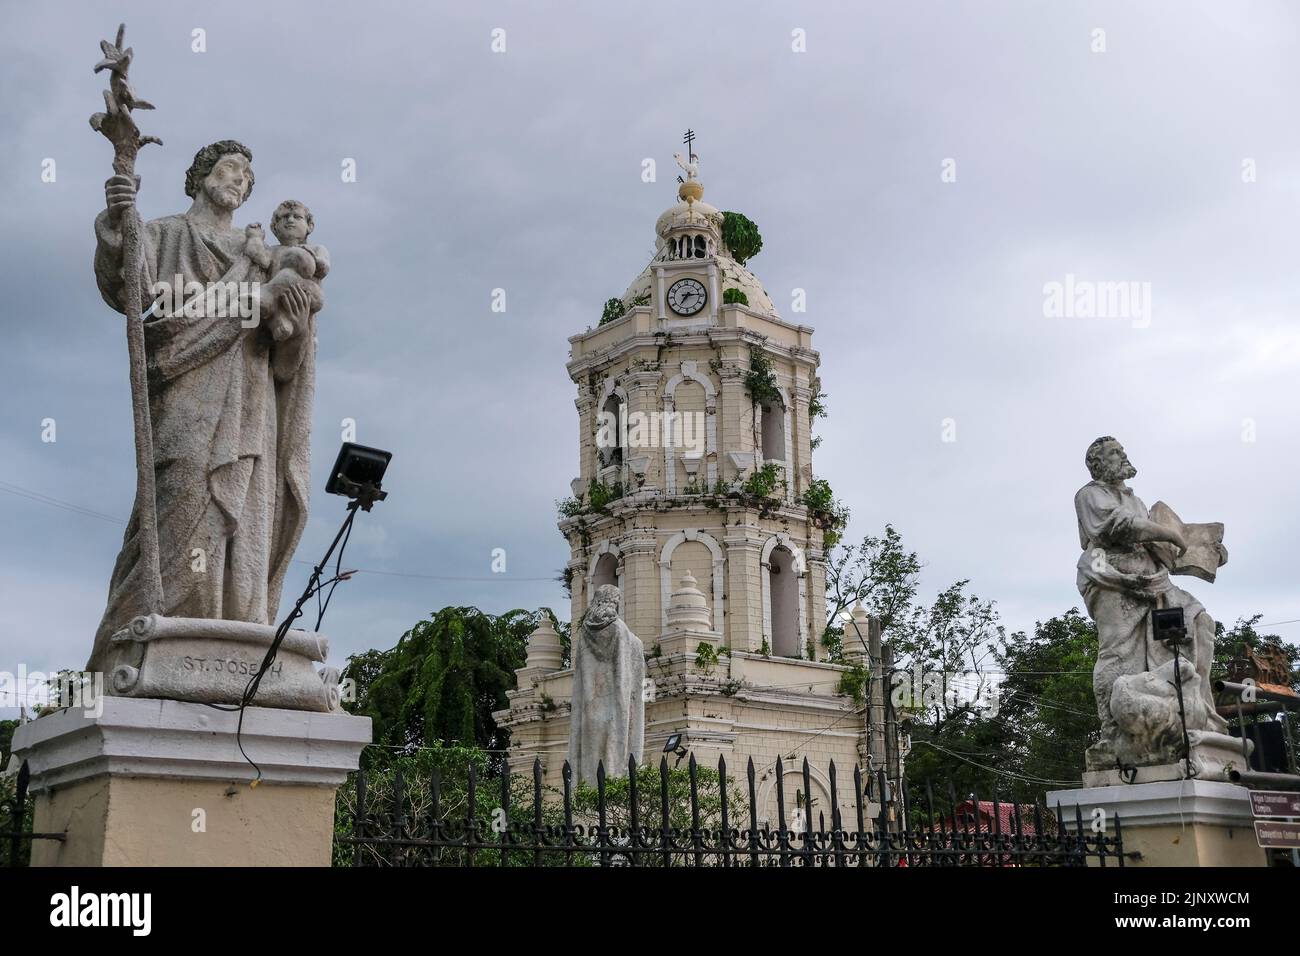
(741, 236)
(444, 678)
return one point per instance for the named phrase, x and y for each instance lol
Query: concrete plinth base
(1173, 822)
(1212, 755)
(163, 783)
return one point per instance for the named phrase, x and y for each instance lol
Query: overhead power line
(30, 495)
(40, 498)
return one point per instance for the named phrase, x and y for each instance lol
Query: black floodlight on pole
(673, 745)
(1169, 628)
(356, 475)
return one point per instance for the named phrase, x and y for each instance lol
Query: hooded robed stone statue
(230, 408)
(607, 721)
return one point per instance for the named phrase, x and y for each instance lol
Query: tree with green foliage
(612, 312)
(1046, 714)
(8, 793)
(1229, 644)
(7, 728)
(649, 779)
(943, 651)
(879, 572)
(450, 765)
(444, 678)
(1045, 702)
(827, 512)
(741, 236)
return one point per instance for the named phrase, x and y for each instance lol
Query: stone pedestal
(162, 783)
(1213, 757)
(1173, 822)
(211, 661)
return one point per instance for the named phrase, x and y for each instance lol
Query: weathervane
(690, 163)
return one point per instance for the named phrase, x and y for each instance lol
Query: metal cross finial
(689, 140)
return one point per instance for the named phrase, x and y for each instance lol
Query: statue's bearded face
(1113, 463)
(604, 608)
(228, 184)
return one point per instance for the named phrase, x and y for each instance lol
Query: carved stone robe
(1126, 646)
(607, 721)
(231, 416)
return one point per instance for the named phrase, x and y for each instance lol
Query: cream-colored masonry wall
(1197, 844)
(641, 322)
(639, 537)
(143, 821)
(782, 709)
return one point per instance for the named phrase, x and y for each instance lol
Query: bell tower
(695, 445)
(696, 496)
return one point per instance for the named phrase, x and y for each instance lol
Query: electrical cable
(1004, 773)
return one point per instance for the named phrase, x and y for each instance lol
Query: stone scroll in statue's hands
(1205, 552)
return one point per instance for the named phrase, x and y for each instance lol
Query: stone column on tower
(645, 462)
(736, 420)
(641, 580)
(744, 547)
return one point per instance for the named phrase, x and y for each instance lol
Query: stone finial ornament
(689, 609)
(545, 650)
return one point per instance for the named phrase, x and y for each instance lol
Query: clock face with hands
(687, 296)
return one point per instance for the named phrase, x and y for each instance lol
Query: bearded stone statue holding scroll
(1124, 572)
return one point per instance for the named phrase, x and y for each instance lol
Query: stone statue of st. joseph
(230, 408)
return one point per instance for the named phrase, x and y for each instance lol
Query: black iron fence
(698, 818)
(16, 821)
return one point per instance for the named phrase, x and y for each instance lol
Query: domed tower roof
(693, 230)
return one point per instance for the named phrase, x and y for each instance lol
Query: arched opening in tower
(609, 432)
(606, 571)
(784, 590)
(773, 435)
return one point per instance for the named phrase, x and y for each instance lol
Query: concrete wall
(134, 821)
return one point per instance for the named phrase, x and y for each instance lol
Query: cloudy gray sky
(521, 170)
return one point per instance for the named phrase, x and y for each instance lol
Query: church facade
(696, 496)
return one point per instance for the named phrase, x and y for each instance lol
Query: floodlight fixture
(358, 473)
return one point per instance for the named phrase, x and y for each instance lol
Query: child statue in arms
(292, 263)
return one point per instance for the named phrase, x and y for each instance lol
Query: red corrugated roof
(965, 819)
